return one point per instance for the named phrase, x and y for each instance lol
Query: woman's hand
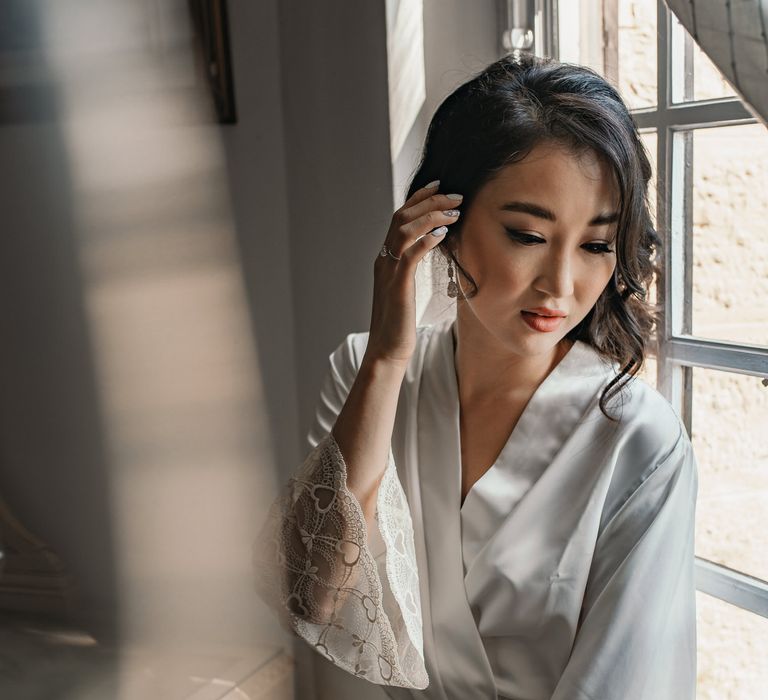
(417, 227)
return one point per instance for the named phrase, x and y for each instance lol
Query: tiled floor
(41, 661)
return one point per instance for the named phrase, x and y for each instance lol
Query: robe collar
(459, 657)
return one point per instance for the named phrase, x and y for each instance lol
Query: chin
(537, 341)
(529, 343)
(543, 345)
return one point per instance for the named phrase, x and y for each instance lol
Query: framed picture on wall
(211, 23)
(181, 49)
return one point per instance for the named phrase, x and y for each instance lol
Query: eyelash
(525, 239)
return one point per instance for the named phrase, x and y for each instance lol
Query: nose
(555, 277)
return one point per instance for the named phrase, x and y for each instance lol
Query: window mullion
(719, 355)
(690, 115)
(732, 586)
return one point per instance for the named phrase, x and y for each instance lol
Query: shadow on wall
(136, 438)
(52, 448)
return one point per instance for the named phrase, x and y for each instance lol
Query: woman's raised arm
(315, 556)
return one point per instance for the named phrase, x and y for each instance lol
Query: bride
(494, 506)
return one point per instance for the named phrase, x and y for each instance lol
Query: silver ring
(385, 250)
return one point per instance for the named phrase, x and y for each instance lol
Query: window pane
(729, 416)
(731, 644)
(580, 33)
(637, 52)
(702, 80)
(730, 248)
(616, 39)
(649, 140)
(708, 81)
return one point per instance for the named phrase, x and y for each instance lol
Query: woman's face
(540, 234)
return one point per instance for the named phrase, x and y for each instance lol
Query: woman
(494, 506)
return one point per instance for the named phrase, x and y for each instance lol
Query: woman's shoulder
(644, 410)
(651, 449)
(650, 434)
(646, 423)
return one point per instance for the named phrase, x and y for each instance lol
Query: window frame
(676, 350)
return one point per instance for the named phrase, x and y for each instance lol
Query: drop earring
(453, 288)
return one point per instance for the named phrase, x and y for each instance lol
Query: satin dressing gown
(566, 574)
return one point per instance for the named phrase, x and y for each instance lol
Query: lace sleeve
(315, 567)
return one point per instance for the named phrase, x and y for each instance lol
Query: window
(711, 355)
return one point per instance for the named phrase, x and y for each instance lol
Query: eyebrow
(543, 213)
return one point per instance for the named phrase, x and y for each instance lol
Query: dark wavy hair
(496, 119)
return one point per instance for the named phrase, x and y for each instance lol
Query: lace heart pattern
(313, 566)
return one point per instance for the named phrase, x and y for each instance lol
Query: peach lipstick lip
(543, 324)
(544, 311)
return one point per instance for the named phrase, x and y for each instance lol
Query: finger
(421, 193)
(426, 223)
(437, 202)
(412, 255)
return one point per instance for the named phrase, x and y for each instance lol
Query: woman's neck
(486, 370)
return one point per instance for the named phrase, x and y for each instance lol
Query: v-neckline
(510, 440)
(448, 537)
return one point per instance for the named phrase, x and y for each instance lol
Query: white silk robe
(566, 574)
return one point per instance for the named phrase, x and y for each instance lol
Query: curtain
(734, 35)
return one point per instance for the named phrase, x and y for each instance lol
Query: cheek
(596, 278)
(507, 281)
(494, 268)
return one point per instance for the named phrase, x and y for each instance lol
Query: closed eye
(597, 248)
(528, 239)
(524, 238)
